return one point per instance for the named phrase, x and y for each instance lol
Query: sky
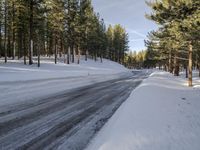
(131, 15)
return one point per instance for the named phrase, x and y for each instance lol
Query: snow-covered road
(66, 120)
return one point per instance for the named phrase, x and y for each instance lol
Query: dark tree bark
(95, 55)
(86, 50)
(199, 69)
(13, 32)
(51, 45)
(186, 71)
(0, 36)
(190, 65)
(86, 55)
(61, 46)
(101, 58)
(5, 32)
(38, 54)
(56, 50)
(73, 53)
(68, 55)
(9, 43)
(19, 43)
(64, 51)
(78, 61)
(31, 33)
(176, 65)
(170, 62)
(24, 47)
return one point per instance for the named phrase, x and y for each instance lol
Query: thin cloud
(136, 40)
(137, 33)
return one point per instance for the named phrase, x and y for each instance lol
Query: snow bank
(14, 70)
(161, 114)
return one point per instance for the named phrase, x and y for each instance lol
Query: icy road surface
(66, 120)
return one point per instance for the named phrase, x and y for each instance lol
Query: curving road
(66, 120)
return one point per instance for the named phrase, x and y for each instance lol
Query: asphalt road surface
(67, 120)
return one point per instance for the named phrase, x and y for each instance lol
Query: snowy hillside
(15, 70)
(26, 82)
(161, 114)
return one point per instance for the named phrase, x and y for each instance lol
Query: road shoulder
(162, 113)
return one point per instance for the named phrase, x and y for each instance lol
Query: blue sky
(131, 15)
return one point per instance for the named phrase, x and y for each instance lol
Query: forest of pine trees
(136, 60)
(59, 28)
(176, 44)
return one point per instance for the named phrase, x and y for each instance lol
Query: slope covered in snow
(14, 70)
(161, 114)
(19, 82)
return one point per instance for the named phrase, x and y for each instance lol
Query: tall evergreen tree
(180, 19)
(51, 27)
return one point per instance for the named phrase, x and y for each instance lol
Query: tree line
(176, 44)
(136, 60)
(59, 28)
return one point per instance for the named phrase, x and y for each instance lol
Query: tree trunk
(39, 58)
(13, 31)
(24, 47)
(78, 61)
(95, 55)
(159, 66)
(5, 32)
(196, 62)
(68, 55)
(38, 53)
(73, 53)
(199, 69)
(9, 43)
(14, 49)
(170, 62)
(56, 51)
(186, 71)
(86, 55)
(0, 37)
(61, 46)
(19, 43)
(51, 45)
(64, 51)
(190, 65)
(176, 65)
(165, 67)
(31, 34)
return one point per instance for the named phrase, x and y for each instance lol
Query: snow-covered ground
(19, 82)
(14, 70)
(161, 114)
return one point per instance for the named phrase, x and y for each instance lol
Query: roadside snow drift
(161, 114)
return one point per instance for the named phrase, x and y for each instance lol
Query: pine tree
(55, 16)
(109, 35)
(51, 27)
(181, 21)
(1, 27)
(86, 17)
